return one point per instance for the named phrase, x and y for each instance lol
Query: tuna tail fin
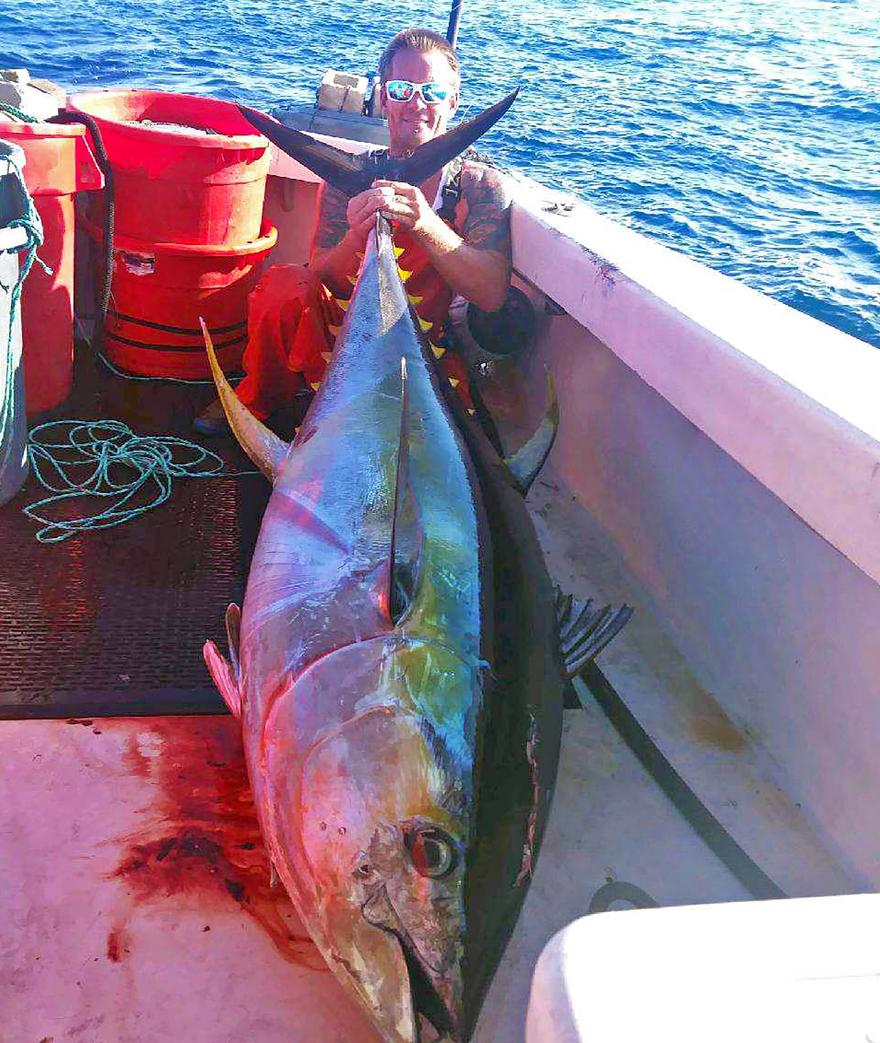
(427, 159)
(405, 551)
(338, 168)
(263, 446)
(353, 174)
(584, 631)
(528, 460)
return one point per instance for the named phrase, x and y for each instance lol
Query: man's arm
(477, 263)
(336, 243)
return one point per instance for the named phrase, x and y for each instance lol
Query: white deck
(106, 940)
(87, 952)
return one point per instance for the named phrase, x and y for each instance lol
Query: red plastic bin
(58, 163)
(160, 290)
(188, 188)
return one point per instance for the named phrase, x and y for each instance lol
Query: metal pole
(454, 17)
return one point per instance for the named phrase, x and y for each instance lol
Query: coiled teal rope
(126, 473)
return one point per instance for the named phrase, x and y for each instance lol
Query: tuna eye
(432, 851)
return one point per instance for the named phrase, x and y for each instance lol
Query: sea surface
(745, 134)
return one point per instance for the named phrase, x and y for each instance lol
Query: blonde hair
(423, 40)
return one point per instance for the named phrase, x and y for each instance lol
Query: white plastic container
(791, 971)
(13, 422)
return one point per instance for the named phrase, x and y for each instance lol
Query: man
(452, 232)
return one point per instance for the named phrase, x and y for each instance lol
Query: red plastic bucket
(57, 164)
(160, 290)
(188, 188)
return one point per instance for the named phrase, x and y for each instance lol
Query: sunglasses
(403, 90)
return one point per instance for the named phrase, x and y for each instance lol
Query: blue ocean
(745, 134)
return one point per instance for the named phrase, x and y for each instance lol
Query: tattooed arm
(336, 242)
(476, 263)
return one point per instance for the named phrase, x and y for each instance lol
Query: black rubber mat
(113, 622)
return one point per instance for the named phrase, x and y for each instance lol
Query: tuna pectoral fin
(528, 460)
(570, 697)
(225, 674)
(584, 631)
(263, 446)
(221, 673)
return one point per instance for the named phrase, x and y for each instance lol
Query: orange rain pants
(292, 324)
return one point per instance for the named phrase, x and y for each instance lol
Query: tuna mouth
(425, 981)
(426, 1000)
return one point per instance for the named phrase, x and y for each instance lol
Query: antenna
(454, 18)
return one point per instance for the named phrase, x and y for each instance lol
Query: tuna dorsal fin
(353, 174)
(263, 446)
(528, 460)
(584, 630)
(404, 553)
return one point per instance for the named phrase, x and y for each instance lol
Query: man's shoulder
(480, 181)
(478, 170)
(486, 196)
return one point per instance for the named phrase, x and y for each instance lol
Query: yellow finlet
(352, 279)
(404, 275)
(333, 330)
(342, 304)
(414, 300)
(438, 352)
(425, 324)
(398, 250)
(326, 355)
(454, 381)
(471, 412)
(314, 384)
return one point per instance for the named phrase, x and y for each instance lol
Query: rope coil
(129, 474)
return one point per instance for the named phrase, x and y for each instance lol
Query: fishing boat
(717, 467)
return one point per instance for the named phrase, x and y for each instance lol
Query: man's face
(412, 123)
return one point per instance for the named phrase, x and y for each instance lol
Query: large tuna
(397, 667)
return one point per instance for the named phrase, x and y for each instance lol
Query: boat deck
(143, 911)
(117, 618)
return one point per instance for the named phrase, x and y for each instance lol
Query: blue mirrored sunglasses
(403, 90)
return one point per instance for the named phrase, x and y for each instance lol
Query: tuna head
(370, 833)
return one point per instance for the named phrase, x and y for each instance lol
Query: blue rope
(105, 460)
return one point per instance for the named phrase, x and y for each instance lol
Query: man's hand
(475, 264)
(404, 204)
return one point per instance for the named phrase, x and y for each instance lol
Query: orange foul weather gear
(293, 320)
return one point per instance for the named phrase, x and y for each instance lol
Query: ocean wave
(741, 134)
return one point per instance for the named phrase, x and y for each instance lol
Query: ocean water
(745, 134)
